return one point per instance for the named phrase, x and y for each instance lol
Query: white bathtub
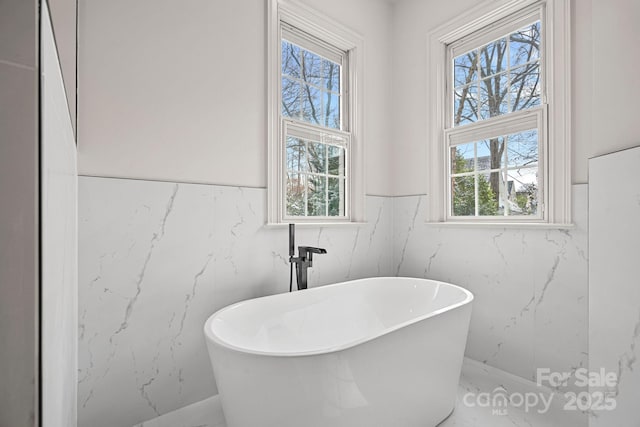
(381, 352)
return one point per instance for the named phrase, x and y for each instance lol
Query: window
(315, 130)
(502, 143)
(498, 174)
(315, 163)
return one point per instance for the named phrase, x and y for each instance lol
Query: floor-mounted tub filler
(371, 352)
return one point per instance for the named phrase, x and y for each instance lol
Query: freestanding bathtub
(379, 352)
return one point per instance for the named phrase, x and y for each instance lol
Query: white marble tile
(530, 286)
(561, 310)
(475, 380)
(146, 277)
(156, 259)
(59, 244)
(546, 408)
(614, 284)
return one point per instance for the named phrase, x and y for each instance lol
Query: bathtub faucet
(304, 260)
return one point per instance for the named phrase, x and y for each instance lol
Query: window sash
(489, 34)
(308, 42)
(310, 132)
(495, 127)
(326, 50)
(497, 30)
(327, 136)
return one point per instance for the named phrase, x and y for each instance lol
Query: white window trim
(557, 68)
(324, 28)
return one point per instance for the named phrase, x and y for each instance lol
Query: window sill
(315, 224)
(494, 225)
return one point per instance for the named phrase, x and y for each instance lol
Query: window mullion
(509, 100)
(478, 83)
(505, 173)
(475, 180)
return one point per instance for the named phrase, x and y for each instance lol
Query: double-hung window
(315, 157)
(504, 142)
(314, 123)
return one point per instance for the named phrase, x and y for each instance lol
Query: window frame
(312, 23)
(472, 30)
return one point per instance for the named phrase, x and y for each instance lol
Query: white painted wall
(176, 91)
(582, 84)
(605, 40)
(173, 90)
(63, 19)
(59, 244)
(616, 58)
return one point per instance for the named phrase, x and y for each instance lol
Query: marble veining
(628, 359)
(157, 259)
(154, 240)
(410, 228)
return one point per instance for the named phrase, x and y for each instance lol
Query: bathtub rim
(210, 336)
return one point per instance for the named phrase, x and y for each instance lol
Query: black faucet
(304, 260)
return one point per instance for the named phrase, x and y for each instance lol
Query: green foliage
(487, 203)
(464, 192)
(521, 201)
(315, 179)
(527, 198)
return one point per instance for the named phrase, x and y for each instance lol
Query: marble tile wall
(530, 286)
(59, 244)
(614, 283)
(157, 258)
